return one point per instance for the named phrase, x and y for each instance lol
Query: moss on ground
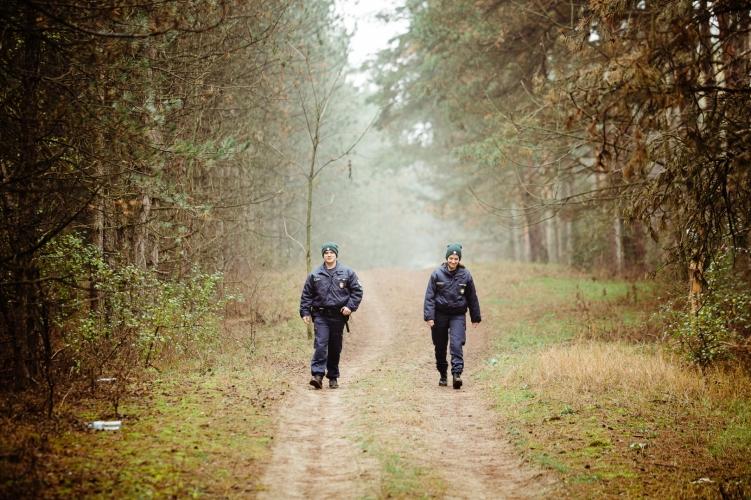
(189, 432)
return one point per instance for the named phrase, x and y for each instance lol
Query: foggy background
(387, 213)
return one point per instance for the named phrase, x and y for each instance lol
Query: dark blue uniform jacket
(451, 293)
(331, 289)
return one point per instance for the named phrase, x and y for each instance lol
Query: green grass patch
(535, 334)
(736, 437)
(550, 462)
(563, 287)
(400, 477)
(404, 480)
(195, 423)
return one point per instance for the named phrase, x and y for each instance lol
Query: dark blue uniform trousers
(327, 345)
(449, 327)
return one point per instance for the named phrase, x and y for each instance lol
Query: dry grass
(266, 296)
(646, 372)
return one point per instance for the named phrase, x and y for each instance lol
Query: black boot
(317, 381)
(333, 384)
(457, 380)
(443, 382)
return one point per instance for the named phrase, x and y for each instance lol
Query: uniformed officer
(332, 292)
(450, 292)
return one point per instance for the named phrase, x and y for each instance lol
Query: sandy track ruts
(313, 456)
(452, 433)
(456, 435)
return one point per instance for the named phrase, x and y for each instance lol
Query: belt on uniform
(451, 311)
(326, 311)
(331, 312)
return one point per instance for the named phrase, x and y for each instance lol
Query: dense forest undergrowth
(579, 370)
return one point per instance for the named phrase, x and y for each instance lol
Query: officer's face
(453, 261)
(329, 257)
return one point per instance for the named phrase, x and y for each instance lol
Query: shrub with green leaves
(115, 320)
(723, 319)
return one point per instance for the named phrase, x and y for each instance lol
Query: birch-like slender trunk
(618, 244)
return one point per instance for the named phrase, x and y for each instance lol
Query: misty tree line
(600, 134)
(150, 155)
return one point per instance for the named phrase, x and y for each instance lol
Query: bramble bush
(117, 321)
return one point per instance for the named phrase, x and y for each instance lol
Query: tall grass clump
(642, 372)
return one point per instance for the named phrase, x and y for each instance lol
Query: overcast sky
(370, 33)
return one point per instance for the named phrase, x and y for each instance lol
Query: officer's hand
(306, 319)
(430, 323)
(346, 311)
(475, 325)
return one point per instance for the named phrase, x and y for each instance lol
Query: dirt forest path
(389, 402)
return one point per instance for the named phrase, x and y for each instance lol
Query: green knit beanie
(330, 245)
(454, 249)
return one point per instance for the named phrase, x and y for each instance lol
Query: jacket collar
(445, 268)
(323, 269)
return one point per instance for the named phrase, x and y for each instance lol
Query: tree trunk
(537, 250)
(513, 242)
(97, 231)
(309, 221)
(309, 212)
(618, 244)
(551, 236)
(566, 251)
(696, 284)
(155, 244)
(22, 311)
(141, 233)
(634, 247)
(515, 238)
(13, 323)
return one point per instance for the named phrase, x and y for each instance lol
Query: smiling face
(329, 258)
(452, 261)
